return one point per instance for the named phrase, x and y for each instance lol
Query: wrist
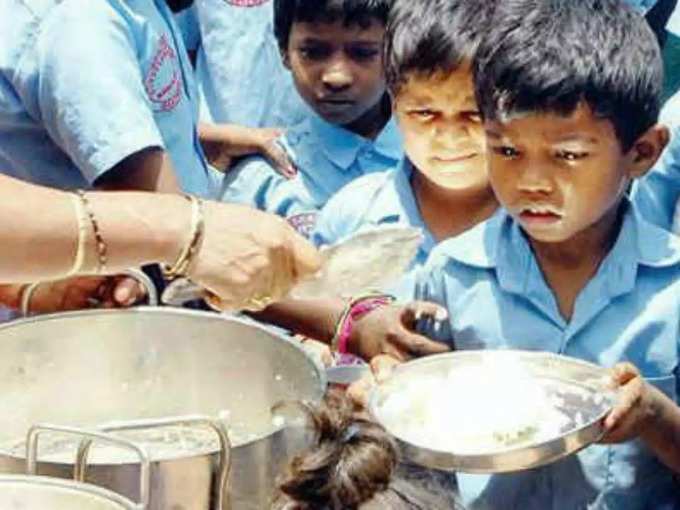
(10, 296)
(174, 231)
(356, 309)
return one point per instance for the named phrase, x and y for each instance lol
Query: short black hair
(352, 12)
(430, 36)
(552, 55)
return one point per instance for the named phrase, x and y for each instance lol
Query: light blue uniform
(377, 199)
(497, 298)
(327, 158)
(239, 70)
(657, 193)
(85, 84)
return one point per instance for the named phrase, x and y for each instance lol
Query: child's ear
(284, 57)
(647, 149)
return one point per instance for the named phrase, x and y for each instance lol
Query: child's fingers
(416, 345)
(359, 391)
(382, 367)
(127, 291)
(622, 373)
(628, 398)
(279, 159)
(417, 310)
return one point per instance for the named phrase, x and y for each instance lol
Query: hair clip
(350, 433)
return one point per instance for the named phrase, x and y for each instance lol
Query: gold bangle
(25, 296)
(79, 258)
(186, 256)
(102, 248)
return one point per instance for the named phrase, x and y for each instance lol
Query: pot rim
(161, 310)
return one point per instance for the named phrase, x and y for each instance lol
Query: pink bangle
(356, 311)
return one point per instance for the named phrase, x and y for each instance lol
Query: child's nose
(338, 76)
(535, 179)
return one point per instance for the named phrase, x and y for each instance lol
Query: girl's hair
(354, 464)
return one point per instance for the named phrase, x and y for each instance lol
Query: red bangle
(356, 311)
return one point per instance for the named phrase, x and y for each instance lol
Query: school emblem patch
(303, 223)
(246, 3)
(163, 81)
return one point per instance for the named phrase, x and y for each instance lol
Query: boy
(571, 267)
(333, 51)
(441, 186)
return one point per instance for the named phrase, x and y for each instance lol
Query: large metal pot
(43, 493)
(137, 368)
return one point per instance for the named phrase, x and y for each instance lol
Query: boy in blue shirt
(333, 51)
(441, 185)
(570, 266)
(98, 93)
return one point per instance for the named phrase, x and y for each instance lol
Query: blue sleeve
(343, 214)
(657, 193)
(250, 182)
(91, 94)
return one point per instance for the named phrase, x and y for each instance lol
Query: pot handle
(147, 283)
(137, 274)
(88, 436)
(216, 425)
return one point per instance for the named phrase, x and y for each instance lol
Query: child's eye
(315, 52)
(361, 53)
(506, 151)
(423, 114)
(571, 155)
(473, 116)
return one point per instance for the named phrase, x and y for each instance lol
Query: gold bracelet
(102, 248)
(186, 256)
(25, 296)
(79, 258)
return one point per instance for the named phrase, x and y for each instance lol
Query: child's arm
(223, 142)
(644, 411)
(389, 329)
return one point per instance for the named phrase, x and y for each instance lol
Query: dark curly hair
(354, 464)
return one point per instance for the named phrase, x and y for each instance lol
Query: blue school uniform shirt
(497, 298)
(327, 158)
(373, 200)
(656, 194)
(239, 70)
(85, 84)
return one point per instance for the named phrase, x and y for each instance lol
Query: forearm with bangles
(138, 228)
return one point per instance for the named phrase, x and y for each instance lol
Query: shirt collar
(499, 243)
(342, 147)
(399, 203)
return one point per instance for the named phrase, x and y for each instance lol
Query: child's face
(556, 175)
(337, 69)
(443, 134)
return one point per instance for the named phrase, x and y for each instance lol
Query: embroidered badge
(246, 3)
(303, 223)
(163, 83)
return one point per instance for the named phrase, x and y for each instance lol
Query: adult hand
(391, 330)
(637, 407)
(250, 259)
